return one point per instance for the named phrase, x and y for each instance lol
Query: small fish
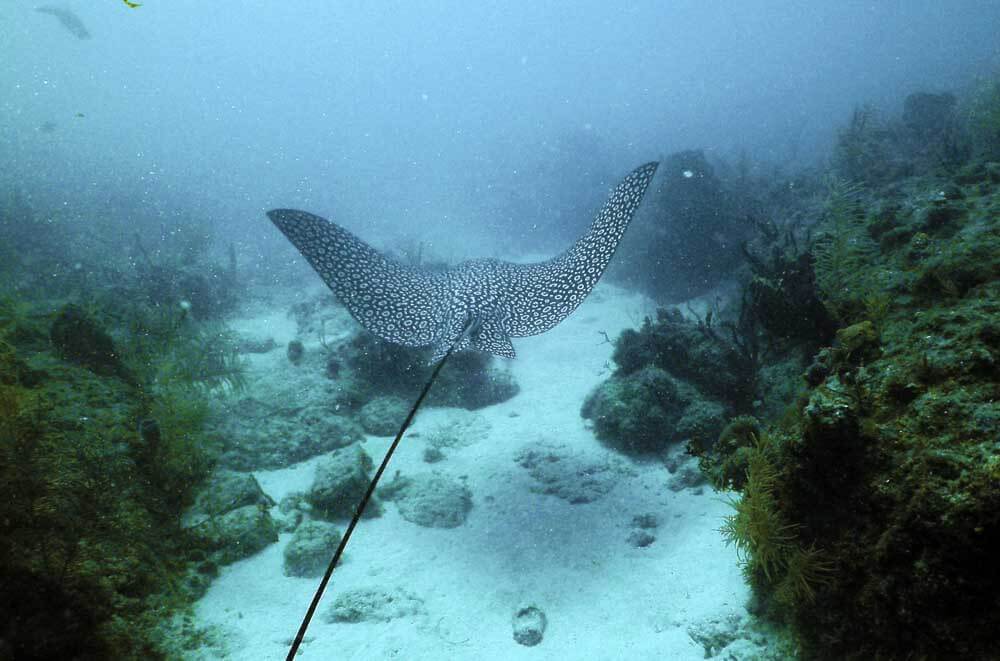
(132, 5)
(67, 19)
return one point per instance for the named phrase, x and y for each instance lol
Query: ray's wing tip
(278, 215)
(643, 174)
(290, 219)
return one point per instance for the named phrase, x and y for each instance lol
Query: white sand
(603, 598)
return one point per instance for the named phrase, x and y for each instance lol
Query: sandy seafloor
(603, 598)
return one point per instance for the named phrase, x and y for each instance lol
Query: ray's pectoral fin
(395, 302)
(547, 292)
(480, 303)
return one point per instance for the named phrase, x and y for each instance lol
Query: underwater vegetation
(783, 293)
(841, 247)
(103, 400)
(935, 134)
(859, 371)
(52, 251)
(676, 380)
(91, 510)
(775, 560)
(869, 510)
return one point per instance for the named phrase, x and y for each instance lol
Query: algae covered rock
(80, 339)
(733, 636)
(716, 358)
(340, 483)
(725, 464)
(291, 511)
(693, 243)
(230, 517)
(636, 412)
(831, 413)
(224, 491)
(237, 534)
(255, 344)
(375, 605)
(928, 114)
(529, 625)
(471, 380)
(383, 416)
(260, 434)
(700, 423)
(570, 475)
(883, 477)
(308, 553)
(461, 429)
(432, 500)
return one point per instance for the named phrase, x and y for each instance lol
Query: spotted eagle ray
(478, 304)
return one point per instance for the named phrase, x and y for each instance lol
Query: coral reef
(224, 491)
(718, 358)
(737, 636)
(868, 514)
(81, 340)
(636, 413)
(95, 495)
(230, 519)
(102, 445)
(869, 511)
(64, 253)
(981, 114)
(928, 136)
(236, 534)
(775, 560)
(677, 380)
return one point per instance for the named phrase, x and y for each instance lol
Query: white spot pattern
(499, 299)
